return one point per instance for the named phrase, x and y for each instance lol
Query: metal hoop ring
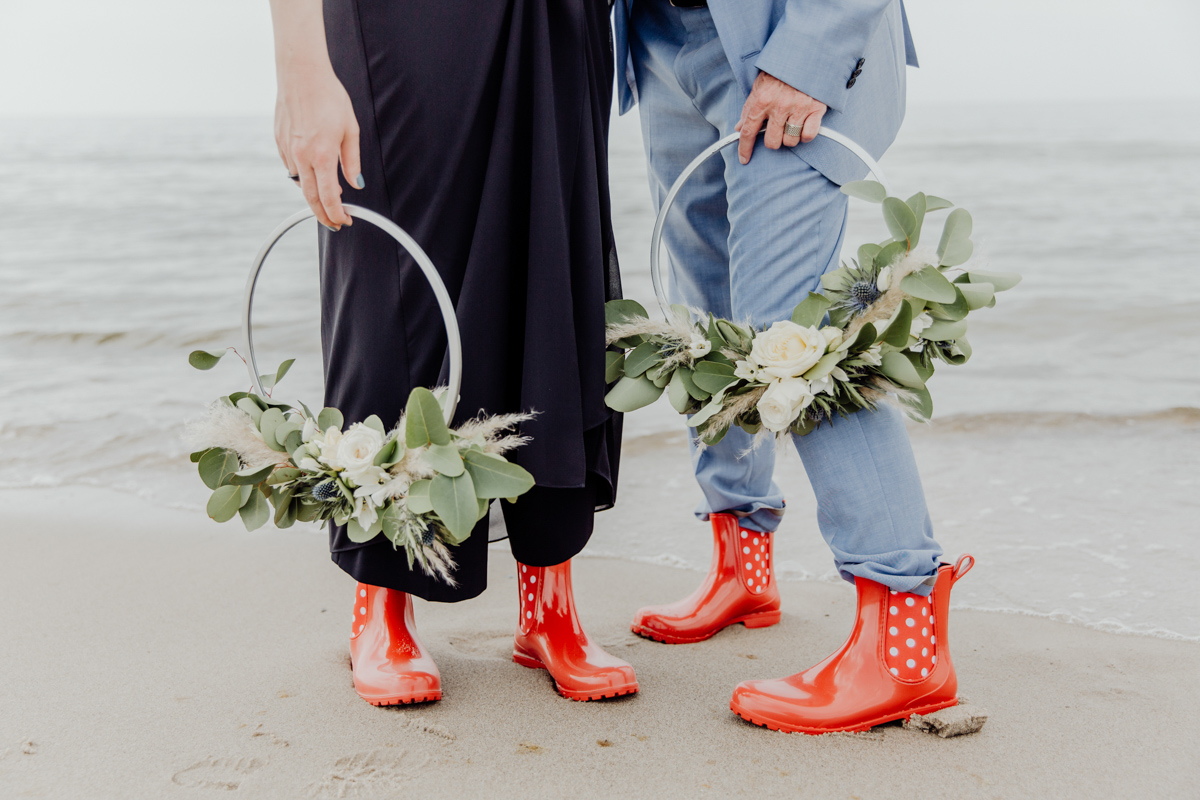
(454, 342)
(656, 237)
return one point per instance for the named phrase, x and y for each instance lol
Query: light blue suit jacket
(814, 46)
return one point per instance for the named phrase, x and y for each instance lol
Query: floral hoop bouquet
(420, 484)
(892, 315)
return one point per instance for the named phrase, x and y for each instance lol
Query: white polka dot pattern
(909, 656)
(359, 619)
(756, 569)
(527, 592)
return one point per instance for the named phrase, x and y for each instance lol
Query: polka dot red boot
(390, 665)
(550, 637)
(896, 663)
(739, 588)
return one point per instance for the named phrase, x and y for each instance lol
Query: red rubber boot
(390, 665)
(896, 663)
(739, 588)
(550, 637)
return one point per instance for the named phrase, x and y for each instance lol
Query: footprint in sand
(485, 644)
(218, 773)
(380, 770)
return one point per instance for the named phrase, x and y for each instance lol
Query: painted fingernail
(359, 182)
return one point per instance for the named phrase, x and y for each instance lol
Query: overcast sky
(169, 57)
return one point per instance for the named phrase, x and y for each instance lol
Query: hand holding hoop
(733, 138)
(446, 307)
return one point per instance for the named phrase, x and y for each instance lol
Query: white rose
(746, 371)
(325, 445)
(782, 402)
(700, 346)
(919, 324)
(310, 430)
(833, 336)
(787, 350)
(884, 279)
(355, 450)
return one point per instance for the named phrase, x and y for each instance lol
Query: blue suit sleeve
(817, 44)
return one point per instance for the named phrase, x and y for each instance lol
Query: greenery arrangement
(874, 333)
(421, 485)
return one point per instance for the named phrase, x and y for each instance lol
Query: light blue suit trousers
(748, 242)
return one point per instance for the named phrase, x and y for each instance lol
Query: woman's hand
(315, 126)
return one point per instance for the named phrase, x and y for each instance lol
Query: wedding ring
(791, 130)
(296, 178)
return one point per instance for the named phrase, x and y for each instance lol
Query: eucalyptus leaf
(957, 228)
(494, 477)
(376, 424)
(293, 441)
(823, 367)
(957, 252)
(418, 501)
(945, 331)
(619, 311)
(866, 256)
(978, 295)
(445, 459)
(677, 392)
(707, 412)
(918, 205)
(454, 501)
(929, 284)
(253, 409)
(424, 423)
(811, 310)
(713, 376)
(271, 419)
(1000, 281)
(871, 191)
(224, 503)
(255, 512)
(935, 203)
(282, 432)
(897, 332)
(630, 394)
(901, 221)
(836, 280)
(217, 466)
(919, 405)
(251, 475)
(950, 311)
(686, 375)
(661, 376)
(641, 358)
(356, 533)
(284, 475)
(900, 370)
(865, 337)
(890, 254)
(330, 418)
(199, 454)
(205, 359)
(614, 366)
(283, 369)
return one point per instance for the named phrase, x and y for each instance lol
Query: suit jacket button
(850, 82)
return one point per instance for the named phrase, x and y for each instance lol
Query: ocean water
(125, 244)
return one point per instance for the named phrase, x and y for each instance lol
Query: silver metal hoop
(716, 147)
(454, 342)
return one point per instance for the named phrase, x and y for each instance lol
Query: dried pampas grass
(223, 425)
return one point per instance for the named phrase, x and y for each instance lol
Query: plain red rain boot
(390, 665)
(739, 588)
(550, 637)
(896, 663)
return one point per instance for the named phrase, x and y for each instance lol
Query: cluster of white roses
(779, 358)
(350, 458)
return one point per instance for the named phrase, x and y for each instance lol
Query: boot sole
(403, 699)
(615, 691)
(760, 619)
(775, 725)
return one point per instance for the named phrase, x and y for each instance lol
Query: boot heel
(763, 619)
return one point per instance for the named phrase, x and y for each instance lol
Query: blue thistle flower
(863, 293)
(326, 491)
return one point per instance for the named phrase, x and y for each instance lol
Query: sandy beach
(149, 652)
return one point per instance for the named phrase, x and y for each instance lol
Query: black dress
(484, 135)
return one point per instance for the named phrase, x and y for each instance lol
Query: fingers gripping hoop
(656, 237)
(453, 340)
